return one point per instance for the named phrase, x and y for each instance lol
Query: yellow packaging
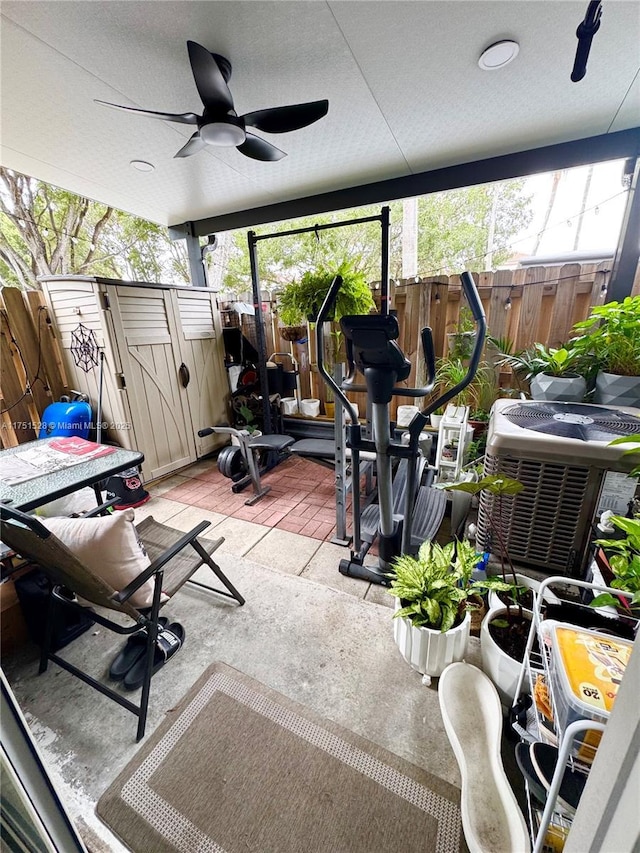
(593, 665)
(555, 839)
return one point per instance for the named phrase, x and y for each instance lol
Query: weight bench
(242, 465)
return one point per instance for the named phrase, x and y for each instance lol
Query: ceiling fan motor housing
(224, 65)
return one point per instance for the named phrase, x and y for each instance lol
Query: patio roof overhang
(624, 144)
(410, 110)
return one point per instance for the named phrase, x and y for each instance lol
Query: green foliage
(632, 451)
(480, 394)
(462, 338)
(465, 322)
(45, 230)
(609, 337)
(453, 226)
(433, 587)
(247, 415)
(284, 259)
(301, 300)
(540, 359)
(496, 484)
(624, 558)
(453, 229)
(502, 344)
(476, 448)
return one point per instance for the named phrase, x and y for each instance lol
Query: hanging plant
(301, 300)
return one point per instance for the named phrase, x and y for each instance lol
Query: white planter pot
(503, 670)
(429, 651)
(569, 389)
(310, 407)
(435, 420)
(614, 390)
(289, 405)
(405, 415)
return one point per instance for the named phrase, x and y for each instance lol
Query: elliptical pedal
(429, 510)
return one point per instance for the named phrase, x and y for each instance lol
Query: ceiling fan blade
(210, 83)
(195, 144)
(284, 119)
(181, 118)
(260, 149)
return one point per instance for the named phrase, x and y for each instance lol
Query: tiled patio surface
(301, 500)
(289, 530)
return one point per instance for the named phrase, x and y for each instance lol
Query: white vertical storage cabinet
(164, 376)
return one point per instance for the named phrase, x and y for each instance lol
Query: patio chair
(175, 557)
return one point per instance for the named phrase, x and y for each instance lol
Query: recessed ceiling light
(142, 165)
(498, 54)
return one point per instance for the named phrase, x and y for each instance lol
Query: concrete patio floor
(316, 636)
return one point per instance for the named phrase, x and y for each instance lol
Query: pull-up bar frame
(253, 239)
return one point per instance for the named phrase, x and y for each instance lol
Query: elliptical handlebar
(419, 421)
(426, 337)
(475, 305)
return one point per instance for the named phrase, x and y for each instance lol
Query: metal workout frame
(253, 239)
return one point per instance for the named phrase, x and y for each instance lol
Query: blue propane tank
(68, 417)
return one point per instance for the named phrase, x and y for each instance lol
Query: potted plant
(245, 419)
(504, 631)
(479, 395)
(433, 592)
(622, 550)
(623, 558)
(293, 333)
(300, 301)
(609, 338)
(553, 374)
(436, 416)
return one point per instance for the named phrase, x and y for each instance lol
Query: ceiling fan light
(498, 54)
(222, 133)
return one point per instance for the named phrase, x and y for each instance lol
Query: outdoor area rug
(240, 768)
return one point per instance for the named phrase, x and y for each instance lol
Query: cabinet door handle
(185, 376)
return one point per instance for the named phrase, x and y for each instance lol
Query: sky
(601, 222)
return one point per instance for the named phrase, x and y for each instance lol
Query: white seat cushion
(110, 547)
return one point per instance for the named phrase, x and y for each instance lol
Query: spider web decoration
(84, 348)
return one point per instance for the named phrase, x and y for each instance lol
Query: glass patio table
(51, 485)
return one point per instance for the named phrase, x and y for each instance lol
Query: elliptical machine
(372, 349)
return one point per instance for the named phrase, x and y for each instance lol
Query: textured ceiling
(404, 88)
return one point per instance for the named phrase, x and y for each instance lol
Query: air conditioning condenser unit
(561, 453)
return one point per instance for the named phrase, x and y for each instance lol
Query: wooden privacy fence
(32, 373)
(524, 305)
(527, 305)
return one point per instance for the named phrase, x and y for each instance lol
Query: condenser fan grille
(573, 420)
(547, 524)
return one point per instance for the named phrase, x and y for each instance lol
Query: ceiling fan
(219, 124)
